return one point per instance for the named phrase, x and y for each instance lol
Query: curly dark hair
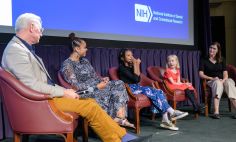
(75, 41)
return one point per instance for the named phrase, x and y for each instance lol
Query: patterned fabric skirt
(155, 95)
(112, 98)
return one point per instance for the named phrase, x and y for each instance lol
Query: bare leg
(121, 112)
(165, 118)
(216, 105)
(121, 118)
(233, 102)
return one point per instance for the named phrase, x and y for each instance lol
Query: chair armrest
(35, 95)
(168, 90)
(26, 92)
(64, 116)
(205, 87)
(204, 84)
(145, 81)
(131, 95)
(156, 85)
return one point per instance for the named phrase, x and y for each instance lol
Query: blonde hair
(176, 59)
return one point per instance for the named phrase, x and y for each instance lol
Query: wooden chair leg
(153, 116)
(69, 137)
(85, 130)
(209, 103)
(229, 104)
(137, 120)
(196, 100)
(16, 137)
(174, 107)
(206, 107)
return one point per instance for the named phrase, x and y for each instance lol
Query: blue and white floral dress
(157, 96)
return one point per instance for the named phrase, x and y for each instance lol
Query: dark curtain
(202, 26)
(104, 58)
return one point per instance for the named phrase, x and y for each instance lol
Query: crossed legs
(107, 129)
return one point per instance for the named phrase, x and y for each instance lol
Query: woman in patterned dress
(111, 95)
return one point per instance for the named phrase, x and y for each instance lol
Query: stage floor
(203, 129)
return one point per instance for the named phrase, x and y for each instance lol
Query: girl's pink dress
(168, 73)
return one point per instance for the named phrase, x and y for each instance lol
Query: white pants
(218, 88)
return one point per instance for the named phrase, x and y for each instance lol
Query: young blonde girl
(173, 81)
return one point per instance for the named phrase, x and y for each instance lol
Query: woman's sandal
(124, 122)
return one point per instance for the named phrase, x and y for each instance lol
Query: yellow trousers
(107, 129)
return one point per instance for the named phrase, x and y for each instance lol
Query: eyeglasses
(41, 29)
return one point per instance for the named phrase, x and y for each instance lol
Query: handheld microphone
(81, 92)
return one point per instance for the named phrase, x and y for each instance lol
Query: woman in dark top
(110, 95)
(213, 69)
(129, 72)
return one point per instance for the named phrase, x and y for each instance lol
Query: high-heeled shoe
(124, 122)
(200, 108)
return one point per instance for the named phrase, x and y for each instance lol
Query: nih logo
(143, 13)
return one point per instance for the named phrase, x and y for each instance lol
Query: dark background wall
(224, 26)
(218, 31)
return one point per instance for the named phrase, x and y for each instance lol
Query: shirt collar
(30, 47)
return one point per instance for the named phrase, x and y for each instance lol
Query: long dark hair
(122, 56)
(218, 54)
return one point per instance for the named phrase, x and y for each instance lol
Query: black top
(127, 75)
(212, 70)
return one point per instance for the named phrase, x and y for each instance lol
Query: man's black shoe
(142, 139)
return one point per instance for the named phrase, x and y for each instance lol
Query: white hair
(25, 19)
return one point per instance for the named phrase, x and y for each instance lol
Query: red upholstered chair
(157, 73)
(231, 71)
(207, 90)
(63, 83)
(136, 102)
(31, 112)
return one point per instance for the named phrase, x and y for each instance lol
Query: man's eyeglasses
(41, 29)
